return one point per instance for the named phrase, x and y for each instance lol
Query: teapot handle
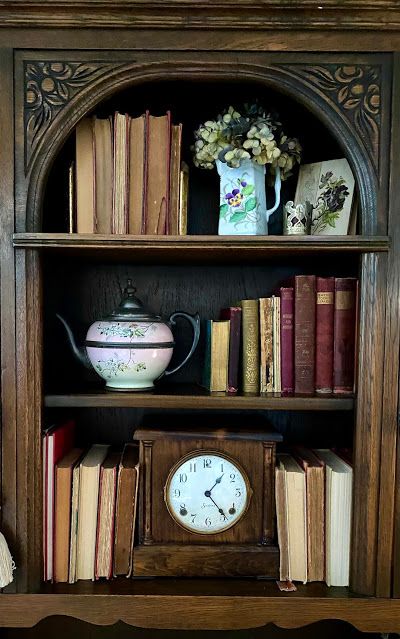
(194, 320)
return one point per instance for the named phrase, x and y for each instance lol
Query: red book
(287, 339)
(234, 314)
(344, 334)
(304, 334)
(324, 334)
(58, 441)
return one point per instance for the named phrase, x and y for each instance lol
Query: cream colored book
(85, 173)
(88, 503)
(295, 480)
(276, 342)
(266, 346)
(219, 355)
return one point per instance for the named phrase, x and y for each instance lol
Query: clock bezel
(195, 453)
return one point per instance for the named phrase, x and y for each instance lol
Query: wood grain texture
(188, 14)
(389, 534)
(29, 416)
(223, 611)
(367, 437)
(7, 305)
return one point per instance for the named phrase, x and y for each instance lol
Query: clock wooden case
(166, 545)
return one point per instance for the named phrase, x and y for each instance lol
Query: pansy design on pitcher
(239, 204)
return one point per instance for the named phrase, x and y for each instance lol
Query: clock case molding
(31, 144)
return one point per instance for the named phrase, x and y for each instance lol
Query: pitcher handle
(277, 187)
(194, 320)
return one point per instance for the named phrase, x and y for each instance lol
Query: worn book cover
(325, 298)
(251, 346)
(126, 505)
(266, 345)
(304, 334)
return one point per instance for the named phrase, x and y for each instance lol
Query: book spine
(234, 314)
(325, 295)
(304, 334)
(276, 343)
(344, 334)
(206, 378)
(266, 346)
(287, 339)
(250, 341)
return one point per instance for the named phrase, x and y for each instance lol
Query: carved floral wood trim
(49, 86)
(355, 91)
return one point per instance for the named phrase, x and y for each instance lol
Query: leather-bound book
(304, 334)
(125, 516)
(85, 177)
(324, 334)
(137, 167)
(158, 174)
(103, 158)
(106, 515)
(267, 371)
(62, 509)
(216, 358)
(344, 334)
(234, 315)
(251, 346)
(175, 178)
(315, 511)
(287, 339)
(282, 523)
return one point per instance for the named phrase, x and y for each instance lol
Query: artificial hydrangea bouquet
(252, 135)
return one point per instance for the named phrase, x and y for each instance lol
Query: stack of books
(129, 176)
(313, 506)
(301, 340)
(89, 508)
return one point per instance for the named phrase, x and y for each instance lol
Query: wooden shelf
(194, 397)
(202, 604)
(146, 248)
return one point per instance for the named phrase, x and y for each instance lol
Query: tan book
(158, 169)
(282, 523)
(137, 166)
(74, 523)
(87, 516)
(127, 488)
(220, 332)
(120, 171)
(103, 158)
(85, 187)
(266, 347)
(62, 511)
(251, 346)
(315, 498)
(276, 342)
(175, 176)
(106, 515)
(295, 480)
(183, 199)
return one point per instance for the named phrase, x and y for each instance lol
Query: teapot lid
(131, 308)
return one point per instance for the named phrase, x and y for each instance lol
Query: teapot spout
(78, 351)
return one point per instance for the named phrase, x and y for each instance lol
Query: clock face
(207, 492)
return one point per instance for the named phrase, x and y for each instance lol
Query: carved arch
(296, 81)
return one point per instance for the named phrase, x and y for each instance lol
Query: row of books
(89, 508)
(314, 504)
(129, 176)
(302, 340)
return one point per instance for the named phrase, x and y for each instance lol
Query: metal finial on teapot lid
(131, 308)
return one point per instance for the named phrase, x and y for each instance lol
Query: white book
(276, 341)
(87, 518)
(296, 517)
(338, 504)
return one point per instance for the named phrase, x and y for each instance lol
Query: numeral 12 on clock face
(207, 492)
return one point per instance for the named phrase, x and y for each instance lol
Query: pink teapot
(132, 347)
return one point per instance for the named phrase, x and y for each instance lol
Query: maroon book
(324, 334)
(234, 314)
(304, 334)
(287, 339)
(344, 334)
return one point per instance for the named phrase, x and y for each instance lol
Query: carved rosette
(355, 90)
(49, 86)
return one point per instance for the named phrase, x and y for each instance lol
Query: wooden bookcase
(62, 60)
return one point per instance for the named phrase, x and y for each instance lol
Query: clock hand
(217, 481)
(216, 505)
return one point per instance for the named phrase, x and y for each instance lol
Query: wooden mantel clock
(206, 504)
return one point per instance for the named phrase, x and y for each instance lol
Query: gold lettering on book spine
(325, 298)
(344, 300)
